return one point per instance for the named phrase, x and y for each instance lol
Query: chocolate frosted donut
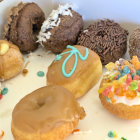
(107, 38)
(134, 43)
(23, 25)
(60, 29)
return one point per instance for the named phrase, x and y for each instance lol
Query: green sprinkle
(134, 85)
(40, 73)
(112, 77)
(4, 91)
(138, 72)
(122, 138)
(111, 134)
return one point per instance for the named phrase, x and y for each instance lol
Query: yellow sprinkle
(115, 136)
(126, 62)
(4, 48)
(100, 90)
(110, 66)
(122, 67)
(123, 79)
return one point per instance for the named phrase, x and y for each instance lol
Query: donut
(11, 60)
(77, 69)
(119, 90)
(134, 43)
(107, 38)
(23, 24)
(60, 29)
(48, 113)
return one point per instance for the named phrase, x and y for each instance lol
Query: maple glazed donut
(119, 91)
(77, 69)
(23, 24)
(48, 113)
(11, 60)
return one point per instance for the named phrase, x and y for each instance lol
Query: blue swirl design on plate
(74, 51)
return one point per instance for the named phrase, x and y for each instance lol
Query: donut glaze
(23, 24)
(44, 110)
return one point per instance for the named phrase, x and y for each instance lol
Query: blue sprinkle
(107, 99)
(126, 70)
(111, 134)
(118, 77)
(122, 74)
(40, 73)
(4, 91)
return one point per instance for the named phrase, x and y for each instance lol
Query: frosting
(45, 109)
(53, 20)
(74, 51)
(122, 82)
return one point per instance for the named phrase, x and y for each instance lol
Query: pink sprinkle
(138, 87)
(106, 91)
(129, 78)
(132, 71)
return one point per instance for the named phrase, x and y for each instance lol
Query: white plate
(98, 121)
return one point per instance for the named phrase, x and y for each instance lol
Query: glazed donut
(11, 60)
(48, 113)
(60, 29)
(77, 69)
(119, 91)
(23, 25)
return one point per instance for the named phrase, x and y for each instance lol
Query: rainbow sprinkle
(122, 79)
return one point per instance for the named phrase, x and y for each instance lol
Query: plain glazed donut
(48, 113)
(77, 69)
(23, 25)
(119, 91)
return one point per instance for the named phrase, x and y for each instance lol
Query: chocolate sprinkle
(134, 43)
(107, 38)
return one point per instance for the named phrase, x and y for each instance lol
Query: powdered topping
(122, 82)
(53, 20)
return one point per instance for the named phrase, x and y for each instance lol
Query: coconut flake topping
(53, 20)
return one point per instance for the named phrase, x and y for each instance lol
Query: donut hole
(35, 28)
